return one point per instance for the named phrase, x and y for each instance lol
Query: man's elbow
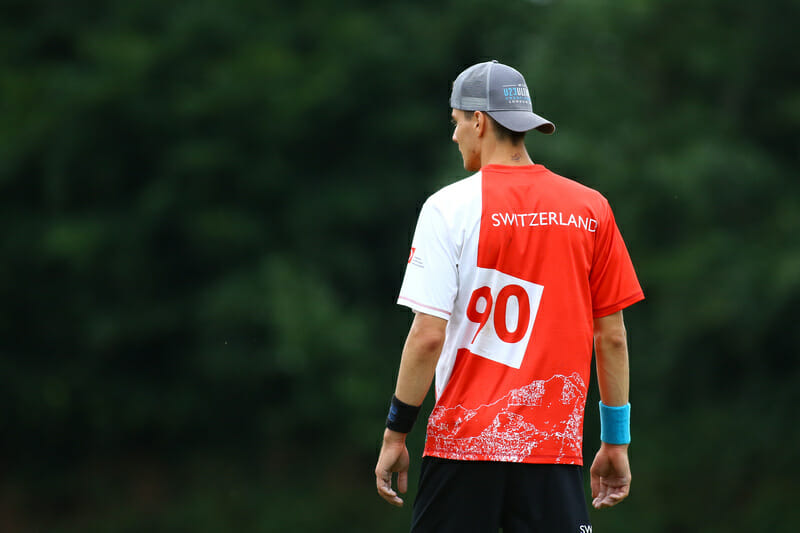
(429, 342)
(610, 330)
(611, 336)
(614, 342)
(427, 336)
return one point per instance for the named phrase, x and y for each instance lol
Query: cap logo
(516, 94)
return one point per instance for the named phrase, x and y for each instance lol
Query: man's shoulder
(457, 196)
(575, 187)
(456, 204)
(458, 190)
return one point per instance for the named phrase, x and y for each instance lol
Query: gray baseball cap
(500, 91)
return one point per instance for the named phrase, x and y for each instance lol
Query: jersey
(519, 261)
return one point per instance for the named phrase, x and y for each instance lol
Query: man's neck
(506, 154)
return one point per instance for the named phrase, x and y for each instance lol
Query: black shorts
(482, 497)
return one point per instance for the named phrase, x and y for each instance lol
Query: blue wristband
(615, 424)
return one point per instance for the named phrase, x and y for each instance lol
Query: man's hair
(501, 133)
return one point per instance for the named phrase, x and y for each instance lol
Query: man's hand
(611, 475)
(393, 458)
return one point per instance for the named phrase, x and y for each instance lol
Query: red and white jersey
(519, 261)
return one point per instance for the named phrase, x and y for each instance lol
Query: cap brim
(520, 121)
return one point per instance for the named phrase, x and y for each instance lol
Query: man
(515, 273)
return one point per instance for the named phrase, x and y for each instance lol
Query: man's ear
(480, 123)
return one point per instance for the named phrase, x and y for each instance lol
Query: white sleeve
(431, 281)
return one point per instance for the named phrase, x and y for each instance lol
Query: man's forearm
(611, 348)
(420, 355)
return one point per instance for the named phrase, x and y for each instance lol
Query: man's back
(512, 378)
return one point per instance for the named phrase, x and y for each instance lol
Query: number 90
(500, 304)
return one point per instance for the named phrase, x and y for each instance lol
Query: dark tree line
(206, 211)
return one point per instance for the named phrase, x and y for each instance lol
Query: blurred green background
(206, 210)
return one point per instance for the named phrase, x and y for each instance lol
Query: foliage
(206, 213)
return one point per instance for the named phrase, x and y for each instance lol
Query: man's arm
(611, 471)
(417, 368)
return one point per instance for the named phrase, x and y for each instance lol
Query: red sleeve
(612, 280)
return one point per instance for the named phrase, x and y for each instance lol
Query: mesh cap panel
(470, 89)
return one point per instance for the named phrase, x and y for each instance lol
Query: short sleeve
(430, 284)
(613, 282)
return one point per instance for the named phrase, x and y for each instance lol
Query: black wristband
(401, 416)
